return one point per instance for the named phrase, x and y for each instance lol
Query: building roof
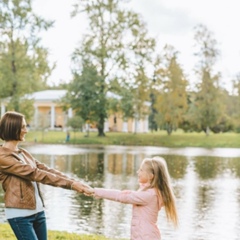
(48, 95)
(53, 95)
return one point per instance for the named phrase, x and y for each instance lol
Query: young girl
(154, 193)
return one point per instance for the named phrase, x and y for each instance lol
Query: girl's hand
(88, 191)
(82, 188)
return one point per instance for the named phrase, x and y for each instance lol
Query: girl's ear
(151, 176)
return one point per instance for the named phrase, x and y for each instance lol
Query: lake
(206, 183)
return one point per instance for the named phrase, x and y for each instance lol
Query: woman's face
(23, 130)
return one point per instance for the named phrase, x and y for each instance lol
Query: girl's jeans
(33, 227)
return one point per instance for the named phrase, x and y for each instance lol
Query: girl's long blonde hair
(161, 181)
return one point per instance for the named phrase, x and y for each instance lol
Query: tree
(115, 41)
(140, 95)
(85, 95)
(153, 111)
(171, 103)
(208, 108)
(23, 61)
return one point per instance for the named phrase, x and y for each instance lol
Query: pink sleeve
(129, 197)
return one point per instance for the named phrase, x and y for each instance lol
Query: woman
(154, 193)
(20, 174)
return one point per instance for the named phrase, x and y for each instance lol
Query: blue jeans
(33, 227)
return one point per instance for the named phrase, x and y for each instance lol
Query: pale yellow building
(48, 113)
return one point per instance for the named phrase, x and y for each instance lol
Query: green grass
(177, 139)
(7, 234)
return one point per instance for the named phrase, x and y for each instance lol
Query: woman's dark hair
(10, 126)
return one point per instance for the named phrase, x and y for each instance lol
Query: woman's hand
(89, 191)
(83, 188)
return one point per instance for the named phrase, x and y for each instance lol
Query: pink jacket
(146, 205)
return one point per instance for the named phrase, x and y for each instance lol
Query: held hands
(83, 188)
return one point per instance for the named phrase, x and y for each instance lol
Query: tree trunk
(101, 126)
(169, 129)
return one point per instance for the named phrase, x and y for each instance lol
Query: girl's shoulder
(151, 191)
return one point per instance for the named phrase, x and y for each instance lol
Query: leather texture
(17, 171)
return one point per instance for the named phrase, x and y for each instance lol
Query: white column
(52, 116)
(3, 109)
(85, 127)
(106, 126)
(140, 126)
(146, 124)
(125, 126)
(137, 125)
(133, 125)
(70, 113)
(36, 116)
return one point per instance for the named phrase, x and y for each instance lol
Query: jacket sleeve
(10, 165)
(126, 196)
(44, 167)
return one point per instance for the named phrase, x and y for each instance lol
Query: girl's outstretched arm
(126, 196)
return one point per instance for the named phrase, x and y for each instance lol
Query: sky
(169, 21)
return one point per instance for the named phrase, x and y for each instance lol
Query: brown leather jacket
(16, 177)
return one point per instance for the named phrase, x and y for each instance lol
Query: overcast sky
(169, 21)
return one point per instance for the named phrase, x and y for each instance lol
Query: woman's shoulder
(23, 150)
(5, 151)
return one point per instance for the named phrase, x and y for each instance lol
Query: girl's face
(23, 130)
(144, 176)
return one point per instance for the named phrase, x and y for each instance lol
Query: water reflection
(207, 189)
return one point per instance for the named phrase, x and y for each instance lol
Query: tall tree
(155, 87)
(84, 94)
(208, 108)
(141, 94)
(115, 41)
(171, 84)
(23, 61)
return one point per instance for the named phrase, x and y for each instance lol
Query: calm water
(206, 183)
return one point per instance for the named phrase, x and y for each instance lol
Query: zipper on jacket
(21, 191)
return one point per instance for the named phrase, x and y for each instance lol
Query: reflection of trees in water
(177, 165)
(205, 199)
(89, 166)
(85, 204)
(126, 164)
(115, 163)
(234, 165)
(209, 167)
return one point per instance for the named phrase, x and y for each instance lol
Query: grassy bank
(6, 234)
(177, 139)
